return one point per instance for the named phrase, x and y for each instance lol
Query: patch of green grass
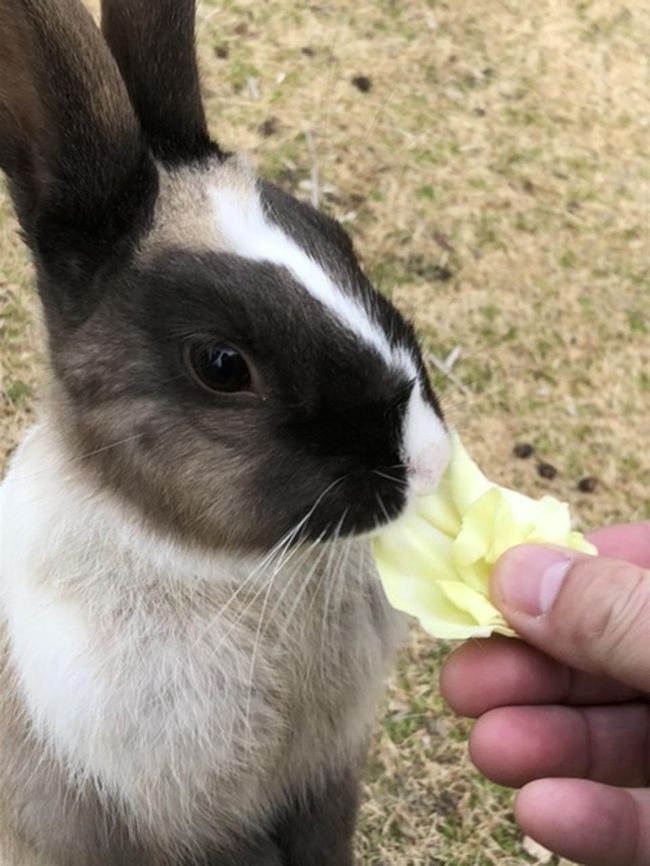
(240, 72)
(568, 259)
(18, 392)
(639, 321)
(426, 193)
(477, 374)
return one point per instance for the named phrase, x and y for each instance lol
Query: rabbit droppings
(194, 637)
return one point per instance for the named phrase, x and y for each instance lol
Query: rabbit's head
(221, 361)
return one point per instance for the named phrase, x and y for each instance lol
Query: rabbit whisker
(306, 581)
(329, 620)
(284, 552)
(392, 478)
(382, 505)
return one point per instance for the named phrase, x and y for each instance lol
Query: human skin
(564, 714)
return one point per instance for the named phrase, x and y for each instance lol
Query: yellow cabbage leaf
(435, 561)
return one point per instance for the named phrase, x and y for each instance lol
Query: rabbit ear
(70, 141)
(153, 43)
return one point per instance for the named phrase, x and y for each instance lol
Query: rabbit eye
(219, 368)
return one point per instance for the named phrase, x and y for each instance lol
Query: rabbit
(194, 636)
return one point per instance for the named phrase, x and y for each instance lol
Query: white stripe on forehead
(245, 228)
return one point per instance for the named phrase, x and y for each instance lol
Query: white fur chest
(169, 675)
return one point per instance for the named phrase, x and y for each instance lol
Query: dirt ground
(492, 161)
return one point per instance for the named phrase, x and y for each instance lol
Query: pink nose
(427, 468)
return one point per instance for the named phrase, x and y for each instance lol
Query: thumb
(589, 612)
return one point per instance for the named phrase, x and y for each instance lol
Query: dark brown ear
(153, 43)
(70, 142)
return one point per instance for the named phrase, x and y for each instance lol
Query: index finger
(482, 675)
(627, 541)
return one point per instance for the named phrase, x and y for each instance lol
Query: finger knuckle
(625, 617)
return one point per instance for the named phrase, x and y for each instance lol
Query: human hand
(565, 715)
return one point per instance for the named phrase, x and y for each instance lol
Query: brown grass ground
(496, 178)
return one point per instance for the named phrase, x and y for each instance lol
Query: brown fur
(182, 217)
(46, 38)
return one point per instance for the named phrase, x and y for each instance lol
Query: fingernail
(528, 578)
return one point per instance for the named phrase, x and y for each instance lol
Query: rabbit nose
(427, 467)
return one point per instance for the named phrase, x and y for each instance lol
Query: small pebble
(523, 450)
(587, 485)
(362, 83)
(443, 241)
(440, 272)
(546, 470)
(269, 127)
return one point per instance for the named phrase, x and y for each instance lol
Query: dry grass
(496, 178)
